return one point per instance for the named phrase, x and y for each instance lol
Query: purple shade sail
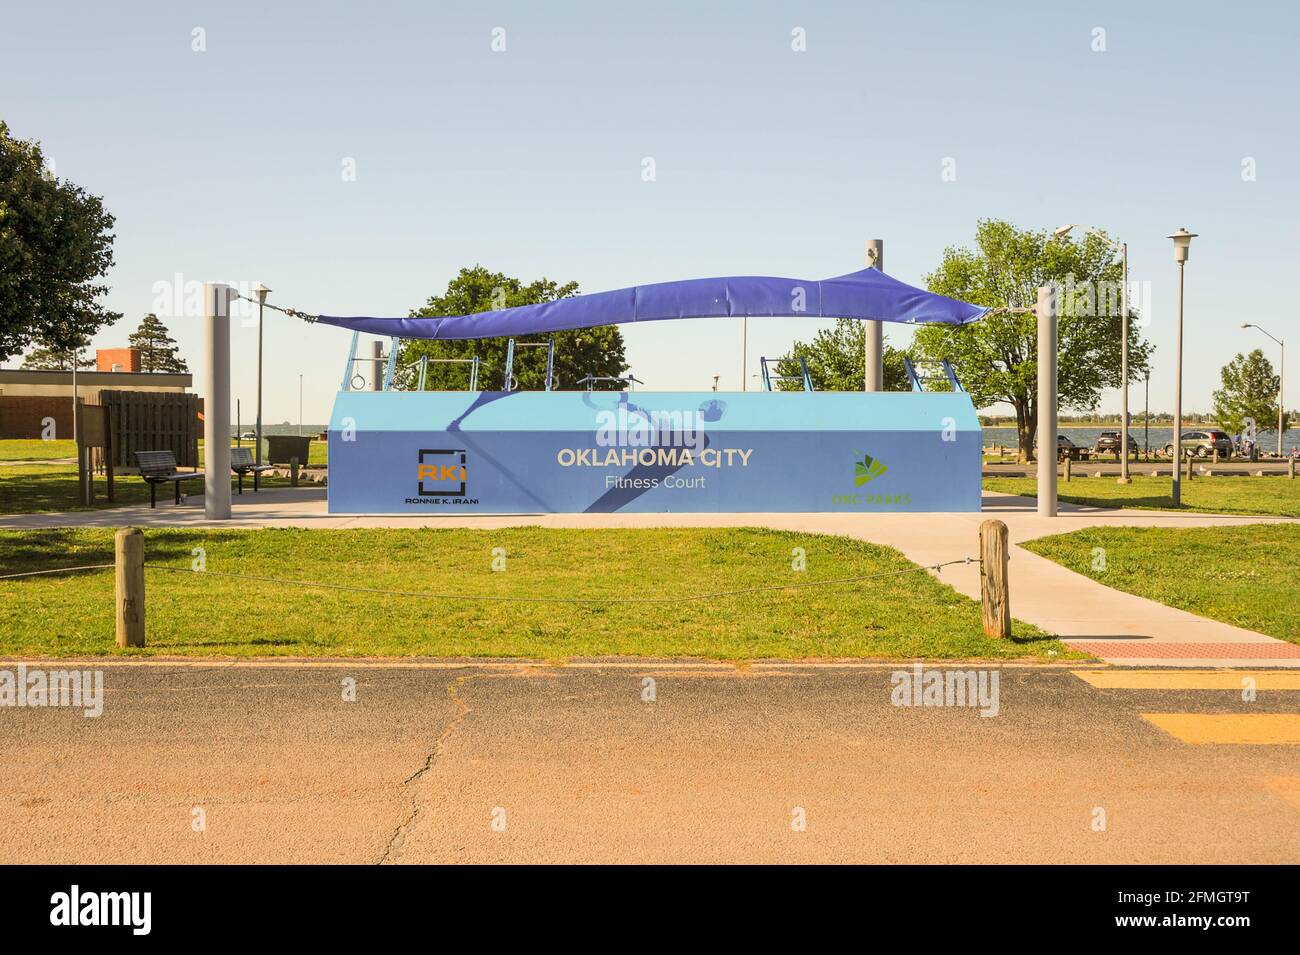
(867, 295)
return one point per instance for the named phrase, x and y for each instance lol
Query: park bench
(241, 462)
(159, 467)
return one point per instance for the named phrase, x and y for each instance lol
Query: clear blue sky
(226, 164)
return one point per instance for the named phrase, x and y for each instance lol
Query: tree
(1249, 391)
(578, 353)
(996, 358)
(837, 361)
(46, 358)
(157, 348)
(55, 247)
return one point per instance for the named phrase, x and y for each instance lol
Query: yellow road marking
(1275, 729)
(1189, 679)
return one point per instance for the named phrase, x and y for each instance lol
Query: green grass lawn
(1274, 495)
(189, 613)
(1240, 575)
(36, 450)
(35, 488)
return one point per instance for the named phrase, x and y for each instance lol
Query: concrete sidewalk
(1115, 626)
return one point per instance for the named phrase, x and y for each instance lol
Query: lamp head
(261, 290)
(1063, 230)
(1182, 243)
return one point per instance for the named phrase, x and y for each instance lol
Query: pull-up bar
(804, 376)
(549, 345)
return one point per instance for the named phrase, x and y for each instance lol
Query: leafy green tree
(578, 353)
(837, 361)
(157, 348)
(55, 248)
(1249, 391)
(45, 358)
(996, 357)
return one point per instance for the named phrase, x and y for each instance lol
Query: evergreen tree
(157, 348)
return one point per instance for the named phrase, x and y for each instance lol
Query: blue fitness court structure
(602, 451)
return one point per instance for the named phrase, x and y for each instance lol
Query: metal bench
(241, 462)
(159, 467)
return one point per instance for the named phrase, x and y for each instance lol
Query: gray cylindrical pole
(1175, 493)
(874, 350)
(216, 402)
(1123, 372)
(1281, 383)
(1047, 424)
(258, 428)
(377, 374)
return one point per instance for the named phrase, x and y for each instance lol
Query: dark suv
(1108, 443)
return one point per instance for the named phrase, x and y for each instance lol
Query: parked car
(248, 436)
(1108, 443)
(1204, 443)
(1065, 448)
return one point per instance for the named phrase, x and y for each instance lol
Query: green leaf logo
(867, 469)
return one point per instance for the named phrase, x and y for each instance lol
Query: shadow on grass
(50, 548)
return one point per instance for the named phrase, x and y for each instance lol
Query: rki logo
(442, 472)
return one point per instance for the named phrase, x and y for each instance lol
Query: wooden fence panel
(153, 421)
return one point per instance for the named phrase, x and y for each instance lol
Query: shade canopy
(867, 295)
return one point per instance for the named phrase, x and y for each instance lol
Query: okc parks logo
(442, 472)
(866, 470)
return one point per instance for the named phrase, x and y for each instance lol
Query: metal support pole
(473, 374)
(349, 368)
(1123, 372)
(1175, 493)
(550, 361)
(874, 349)
(1281, 383)
(1047, 423)
(744, 353)
(258, 423)
(376, 366)
(391, 368)
(424, 370)
(510, 363)
(216, 401)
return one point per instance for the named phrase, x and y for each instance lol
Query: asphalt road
(547, 764)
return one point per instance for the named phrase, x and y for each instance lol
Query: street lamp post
(1146, 420)
(1123, 346)
(261, 291)
(1281, 381)
(300, 406)
(1182, 244)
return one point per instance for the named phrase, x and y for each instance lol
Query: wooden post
(995, 600)
(1190, 458)
(293, 471)
(1067, 467)
(130, 587)
(1290, 467)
